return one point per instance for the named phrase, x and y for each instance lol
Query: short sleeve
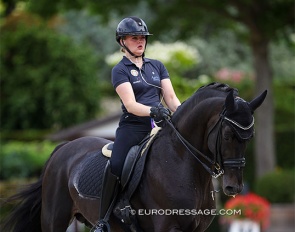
(119, 75)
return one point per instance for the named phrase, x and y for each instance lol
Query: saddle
(88, 182)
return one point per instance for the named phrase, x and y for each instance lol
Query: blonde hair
(122, 48)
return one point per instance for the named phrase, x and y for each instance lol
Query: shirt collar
(126, 61)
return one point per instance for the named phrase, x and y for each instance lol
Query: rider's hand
(159, 114)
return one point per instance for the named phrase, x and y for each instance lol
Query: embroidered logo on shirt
(155, 78)
(134, 73)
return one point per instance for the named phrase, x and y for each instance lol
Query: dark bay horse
(206, 138)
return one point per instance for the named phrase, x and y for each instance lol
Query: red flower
(252, 206)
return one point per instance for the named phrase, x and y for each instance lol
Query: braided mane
(215, 87)
(212, 90)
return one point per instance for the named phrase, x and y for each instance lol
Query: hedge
(23, 159)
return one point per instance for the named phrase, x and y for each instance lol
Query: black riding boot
(110, 186)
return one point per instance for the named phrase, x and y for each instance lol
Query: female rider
(142, 84)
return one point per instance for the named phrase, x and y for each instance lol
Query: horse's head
(228, 137)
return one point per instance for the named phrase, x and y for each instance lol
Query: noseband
(218, 162)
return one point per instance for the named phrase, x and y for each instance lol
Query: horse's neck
(177, 171)
(195, 122)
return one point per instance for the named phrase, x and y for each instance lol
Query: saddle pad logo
(134, 73)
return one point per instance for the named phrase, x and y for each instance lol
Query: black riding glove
(159, 114)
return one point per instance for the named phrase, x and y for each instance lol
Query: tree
(47, 81)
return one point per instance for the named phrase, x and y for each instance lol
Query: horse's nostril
(230, 189)
(233, 190)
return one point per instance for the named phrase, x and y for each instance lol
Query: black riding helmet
(131, 26)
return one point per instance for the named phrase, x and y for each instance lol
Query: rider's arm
(126, 94)
(170, 97)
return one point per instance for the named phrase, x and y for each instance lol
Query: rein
(218, 162)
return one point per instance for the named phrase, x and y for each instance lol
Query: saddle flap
(129, 164)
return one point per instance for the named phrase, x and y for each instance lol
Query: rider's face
(135, 43)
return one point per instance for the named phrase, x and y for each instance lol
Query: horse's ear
(230, 103)
(256, 102)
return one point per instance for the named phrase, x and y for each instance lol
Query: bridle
(218, 162)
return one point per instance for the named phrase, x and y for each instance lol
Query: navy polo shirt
(143, 81)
